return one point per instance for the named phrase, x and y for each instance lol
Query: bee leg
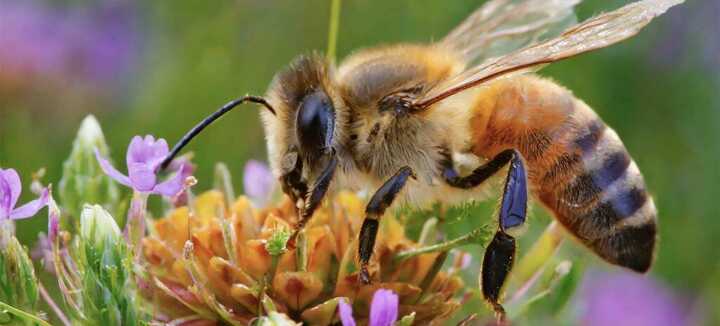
(500, 253)
(380, 201)
(314, 198)
(480, 174)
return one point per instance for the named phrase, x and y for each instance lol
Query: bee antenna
(209, 120)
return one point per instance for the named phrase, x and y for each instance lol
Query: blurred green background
(158, 67)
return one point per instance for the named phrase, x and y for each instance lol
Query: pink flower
(144, 157)
(10, 189)
(383, 309)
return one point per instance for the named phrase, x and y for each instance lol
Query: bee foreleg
(318, 191)
(314, 197)
(381, 200)
(500, 253)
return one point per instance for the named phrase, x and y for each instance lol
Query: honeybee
(470, 101)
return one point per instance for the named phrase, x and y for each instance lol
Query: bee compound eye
(315, 123)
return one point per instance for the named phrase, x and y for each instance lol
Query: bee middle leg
(380, 201)
(500, 253)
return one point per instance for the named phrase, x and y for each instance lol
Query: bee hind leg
(380, 201)
(500, 253)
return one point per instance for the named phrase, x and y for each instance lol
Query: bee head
(302, 136)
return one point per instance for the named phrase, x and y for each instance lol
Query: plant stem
(474, 236)
(49, 300)
(333, 29)
(223, 182)
(537, 257)
(22, 314)
(135, 225)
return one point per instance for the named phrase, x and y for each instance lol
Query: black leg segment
(497, 263)
(318, 190)
(480, 174)
(381, 200)
(314, 197)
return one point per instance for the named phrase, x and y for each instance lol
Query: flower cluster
(219, 261)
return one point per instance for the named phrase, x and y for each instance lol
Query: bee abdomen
(603, 199)
(577, 166)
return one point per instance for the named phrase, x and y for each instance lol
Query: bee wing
(501, 26)
(595, 33)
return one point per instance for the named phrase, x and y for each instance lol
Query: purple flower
(92, 42)
(10, 189)
(620, 299)
(144, 156)
(43, 250)
(258, 182)
(383, 309)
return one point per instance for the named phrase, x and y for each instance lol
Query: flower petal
(345, 312)
(13, 180)
(160, 150)
(258, 181)
(142, 177)
(5, 196)
(136, 152)
(147, 151)
(53, 220)
(175, 184)
(384, 308)
(111, 171)
(32, 207)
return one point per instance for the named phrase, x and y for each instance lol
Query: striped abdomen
(578, 167)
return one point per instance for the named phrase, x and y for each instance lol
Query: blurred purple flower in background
(90, 43)
(623, 298)
(144, 157)
(383, 309)
(258, 182)
(10, 190)
(694, 25)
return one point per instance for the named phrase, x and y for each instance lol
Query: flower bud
(18, 277)
(83, 181)
(275, 318)
(98, 228)
(277, 244)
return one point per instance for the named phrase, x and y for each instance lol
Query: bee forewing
(501, 26)
(595, 33)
